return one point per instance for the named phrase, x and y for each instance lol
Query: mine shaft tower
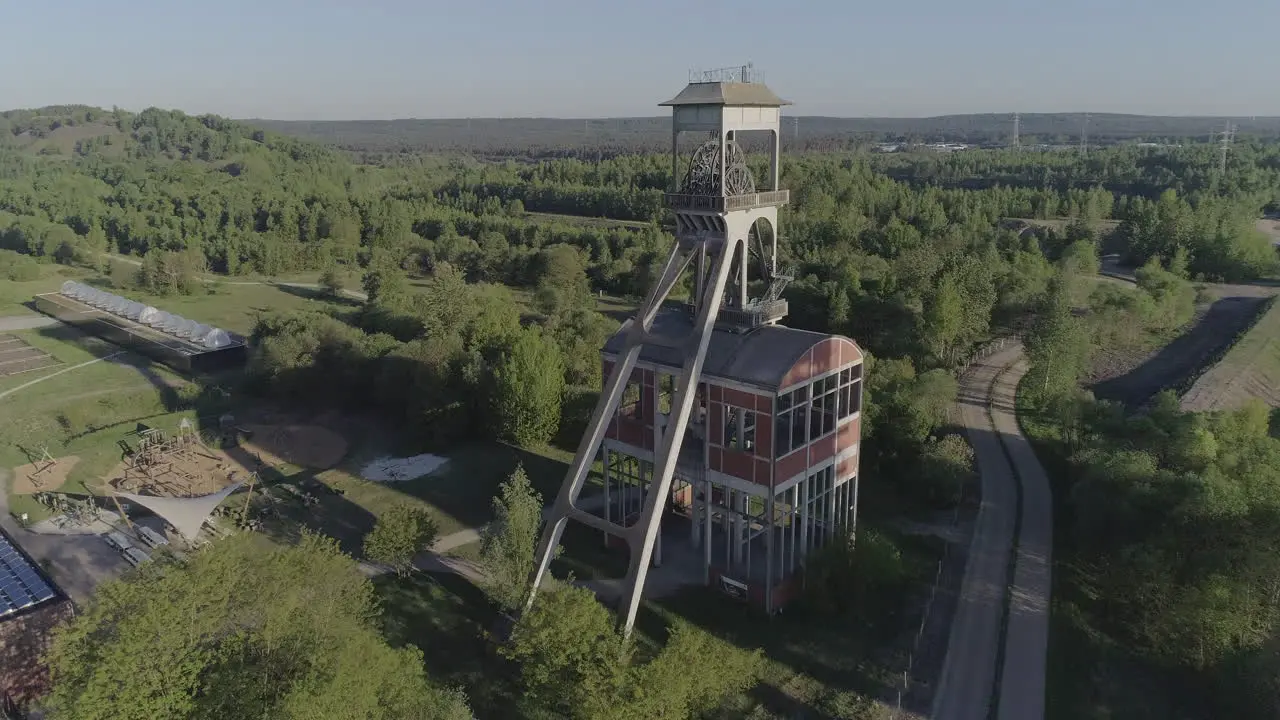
(711, 412)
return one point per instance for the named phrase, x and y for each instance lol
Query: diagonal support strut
(642, 536)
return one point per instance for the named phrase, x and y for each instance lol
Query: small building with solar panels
(23, 585)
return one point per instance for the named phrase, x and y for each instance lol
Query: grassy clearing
(1251, 368)
(583, 220)
(84, 412)
(15, 294)
(237, 307)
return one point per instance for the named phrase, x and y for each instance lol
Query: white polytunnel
(146, 314)
(159, 319)
(133, 310)
(68, 287)
(199, 332)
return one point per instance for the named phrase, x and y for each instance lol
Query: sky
(385, 59)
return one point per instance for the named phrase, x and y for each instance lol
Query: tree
(575, 664)
(529, 390)
(332, 281)
(385, 286)
(244, 629)
(562, 280)
(509, 541)
(399, 535)
(944, 318)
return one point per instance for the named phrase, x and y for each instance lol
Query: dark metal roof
(727, 93)
(760, 357)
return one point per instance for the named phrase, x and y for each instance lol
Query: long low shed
(177, 353)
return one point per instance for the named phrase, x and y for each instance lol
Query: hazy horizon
(570, 59)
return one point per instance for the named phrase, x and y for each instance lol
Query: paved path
(969, 671)
(977, 670)
(1022, 682)
(25, 322)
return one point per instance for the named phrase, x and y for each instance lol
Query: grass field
(85, 411)
(237, 307)
(14, 294)
(1250, 369)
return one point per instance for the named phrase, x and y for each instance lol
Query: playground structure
(43, 475)
(177, 465)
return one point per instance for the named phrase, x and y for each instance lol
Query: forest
(591, 138)
(482, 280)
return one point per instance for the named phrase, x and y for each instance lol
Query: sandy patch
(26, 480)
(389, 469)
(309, 446)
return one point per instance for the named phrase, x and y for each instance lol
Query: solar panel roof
(21, 585)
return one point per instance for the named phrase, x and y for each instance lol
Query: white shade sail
(185, 514)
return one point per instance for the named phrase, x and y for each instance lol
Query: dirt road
(1179, 361)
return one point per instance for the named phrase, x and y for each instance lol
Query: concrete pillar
(768, 554)
(775, 174)
(804, 519)
(608, 512)
(695, 527)
(706, 531)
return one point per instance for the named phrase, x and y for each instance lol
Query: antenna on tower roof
(735, 74)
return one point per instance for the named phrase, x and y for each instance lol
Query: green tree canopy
(529, 390)
(399, 535)
(243, 629)
(509, 541)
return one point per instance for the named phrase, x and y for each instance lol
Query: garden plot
(16, 356)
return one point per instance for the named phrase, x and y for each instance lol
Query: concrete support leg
(608, 509)
(706, 532)
(666, 456)
(610, 396)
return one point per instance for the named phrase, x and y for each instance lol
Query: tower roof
(745, 94)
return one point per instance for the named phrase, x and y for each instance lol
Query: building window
(822, 411)
(739, 429)
(630, 405)
(850, 391)
(790, 424)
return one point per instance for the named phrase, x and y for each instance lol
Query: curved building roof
(764, 357)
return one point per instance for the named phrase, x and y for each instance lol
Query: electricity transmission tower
(1225, 137)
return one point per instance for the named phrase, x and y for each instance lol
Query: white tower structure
(733, 473)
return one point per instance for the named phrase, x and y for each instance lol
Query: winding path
(999, 635)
